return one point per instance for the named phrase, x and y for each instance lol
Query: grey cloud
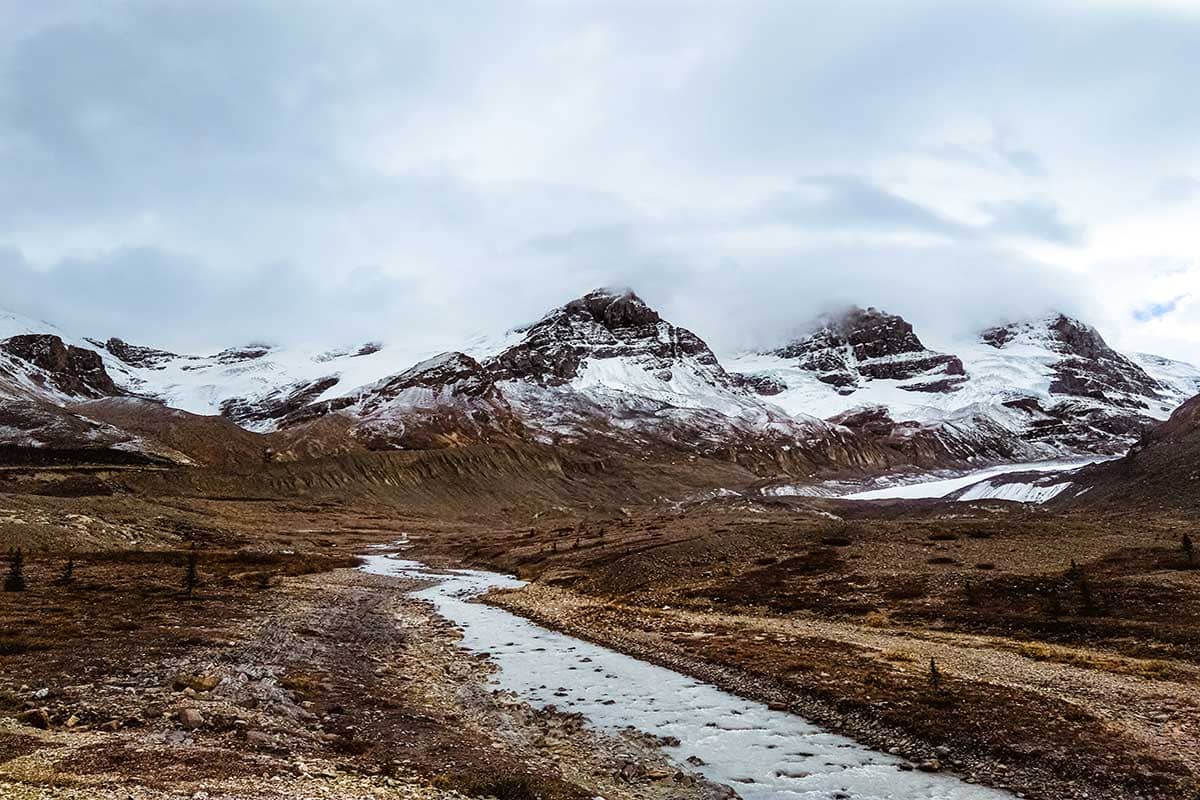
(993, 154)
(847, 201)
(169, 300)
(1036, 219)
(374, 169)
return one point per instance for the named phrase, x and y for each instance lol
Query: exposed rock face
(1098, 399)
(1088, 367)
(602, 324)
(236, 355)
(135, 355)
(448, 399)
(455, 373)
(933, 444)
(860, 345)
(764, 385)
(283, 402)
(1162, 470)
(71, 370)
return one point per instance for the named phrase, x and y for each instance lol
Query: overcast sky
(196, 174)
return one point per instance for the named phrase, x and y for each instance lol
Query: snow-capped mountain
(605, 371)
(1034, 389)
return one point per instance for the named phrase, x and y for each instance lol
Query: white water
(759, 752)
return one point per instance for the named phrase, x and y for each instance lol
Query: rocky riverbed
(332, 684)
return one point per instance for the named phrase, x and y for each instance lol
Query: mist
(193, 177)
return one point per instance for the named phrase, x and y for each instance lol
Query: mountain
(849, 349)
(1043, 388)
(1161, 470)
(603, 373)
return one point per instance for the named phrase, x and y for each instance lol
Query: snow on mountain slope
(1035, 389)
(607, 366)
(862, 392)
(256, 385)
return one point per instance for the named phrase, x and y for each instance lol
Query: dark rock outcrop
(73, 371)
(1089, 367)
(763, 385)
(601, 324)
(136, 355)
(280, 404)
(1161, 471)
(870, 344)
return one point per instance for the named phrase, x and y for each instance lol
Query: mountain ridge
(862, 391)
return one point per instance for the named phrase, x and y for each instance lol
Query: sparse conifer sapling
(1188, 550)
(192, 578)
(15, 580)
(935, 676)
(68, 573)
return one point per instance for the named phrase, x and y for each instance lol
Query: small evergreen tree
(15, 580)
(935, 675)
(68, 573)
(1188, 549)
(1085, 597)
(192, 577)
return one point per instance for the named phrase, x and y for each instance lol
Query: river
(759, 752)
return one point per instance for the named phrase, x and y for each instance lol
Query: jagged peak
(869, 332)
(611, 308)
(1057, 329)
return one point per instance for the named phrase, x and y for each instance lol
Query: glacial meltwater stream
(759, 752)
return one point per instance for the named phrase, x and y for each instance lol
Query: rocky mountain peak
(1059, 332)
(135, 355)
(1088, 367)
(613, 308)
(603, 324)
(73, 371)
(870, 344)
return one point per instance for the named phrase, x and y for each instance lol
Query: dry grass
(897, 657)
(1145, 668)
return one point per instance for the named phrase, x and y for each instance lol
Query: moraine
(759, 752)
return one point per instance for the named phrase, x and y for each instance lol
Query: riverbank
(995, 713)
(1065, 645)
(327, 684)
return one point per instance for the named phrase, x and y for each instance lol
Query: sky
(195, 175)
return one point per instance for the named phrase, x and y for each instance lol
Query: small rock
(190, 718)
(932, 765)
(35, 718)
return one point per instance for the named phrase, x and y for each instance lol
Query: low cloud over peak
(196, 175)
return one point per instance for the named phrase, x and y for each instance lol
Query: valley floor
(1057, 654)
(332, 684)
(1053, 680)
